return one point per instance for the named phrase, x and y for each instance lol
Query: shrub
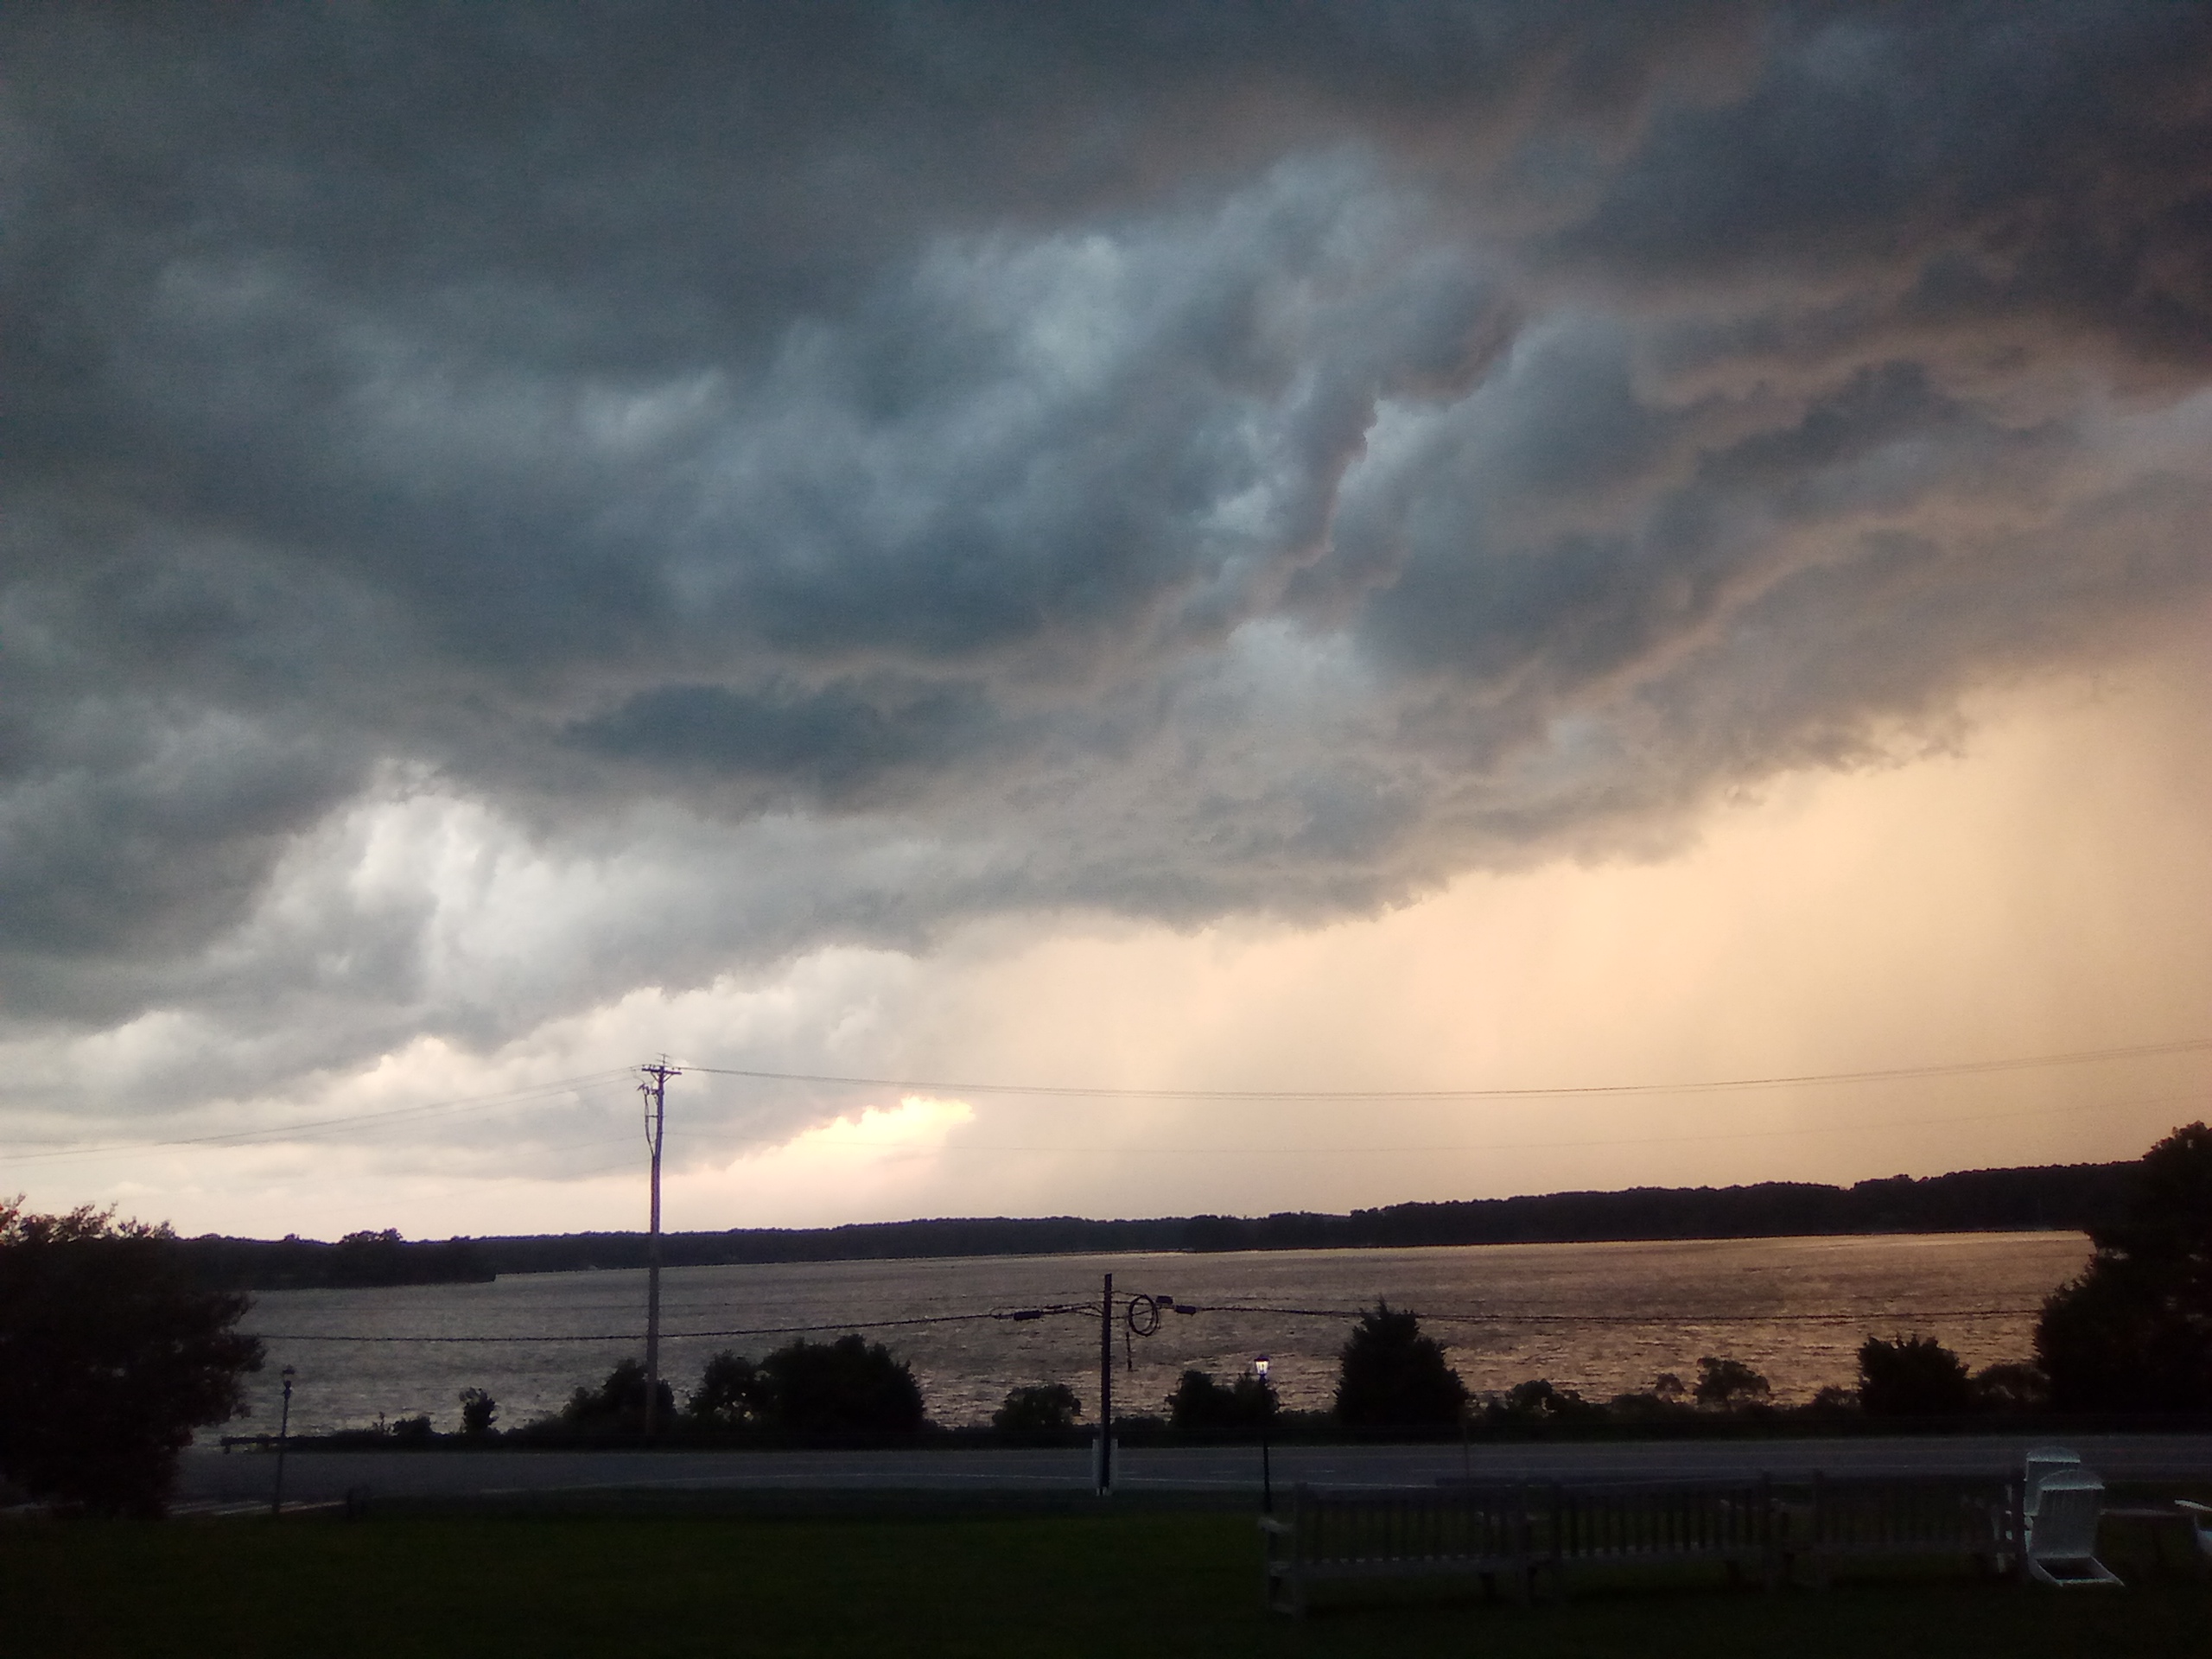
(413, 1431)
(731, 1392)
(842, 1387)
(1729, 1385)
(1040, 1408)
(1648, 1406)
(1911, 1377)
(1199, 1402)
(1536, 1402)
(110, 1357)
(2134, 1332)
(617, 1404)
(2011, 1387)
(479, 1410)
(1390, 1376)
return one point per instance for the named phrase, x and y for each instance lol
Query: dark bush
(2011, 1387)
(2134, 1332)
(1911, 1377)
(479, 1411)
(1667, 1397)
(413, 1431)
(731, 1392)
(110, 1357)
(1390, 1376)
(1729, 1385)
(1040, 1409)
(1536, 1402)
(618, 1405)
(849, 1386)
(1199, 1402)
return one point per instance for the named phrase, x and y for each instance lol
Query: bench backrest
(1464, 1523)
(1874, 1515)
(1595, 1524)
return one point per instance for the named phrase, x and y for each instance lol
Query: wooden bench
(1876, 1519)
(1336, 1538)
(2188, 1522)
(1737, 1524)
(1519, 1535)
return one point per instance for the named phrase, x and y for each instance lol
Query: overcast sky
(1265, 547)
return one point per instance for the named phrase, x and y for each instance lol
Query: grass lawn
(1131, 1584)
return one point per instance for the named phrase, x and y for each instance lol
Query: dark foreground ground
(1162, 1583)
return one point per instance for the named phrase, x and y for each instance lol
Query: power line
(1506, 1316)
(671, 1336)
(398, 1114)
(1154, 1150)
(1089, 1310)
(1959, 1068)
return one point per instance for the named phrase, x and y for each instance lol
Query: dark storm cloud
(825, 471)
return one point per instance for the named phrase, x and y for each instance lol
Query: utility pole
(1106, 1388)
(655, 1094)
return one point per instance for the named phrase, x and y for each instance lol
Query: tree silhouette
(110, 1354)
(479, 1411)
(1039, 1408)
(1729, 1385)
(1201, 1402)
(1392, 1376)
(1911, 1377)
(618, 1405)
(842, 1387)
(730, 1392)
(2134, 1332)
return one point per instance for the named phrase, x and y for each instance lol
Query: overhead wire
(281, 1133)
(1884, 1074)
(1509, 1316)
(1089, 1310)
(667, 1336)
(922, 1148)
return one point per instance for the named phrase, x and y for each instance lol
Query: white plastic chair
(2200, 1523)
(2061, 1527)
(2045, 1460)
(2041, 1460)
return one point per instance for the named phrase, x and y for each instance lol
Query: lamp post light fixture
(1267, 1474)
(284, 1433)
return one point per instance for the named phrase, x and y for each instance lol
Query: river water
(1605, 1319)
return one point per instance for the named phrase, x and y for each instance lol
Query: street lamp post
(283, 1434)
(1267, 1473)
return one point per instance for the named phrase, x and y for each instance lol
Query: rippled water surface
(1602, 1318)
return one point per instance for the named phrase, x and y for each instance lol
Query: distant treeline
(2069, 1197)
(355, 1262)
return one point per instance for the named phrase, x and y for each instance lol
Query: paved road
(215, 1478)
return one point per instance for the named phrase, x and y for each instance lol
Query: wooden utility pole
(656, 1093)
